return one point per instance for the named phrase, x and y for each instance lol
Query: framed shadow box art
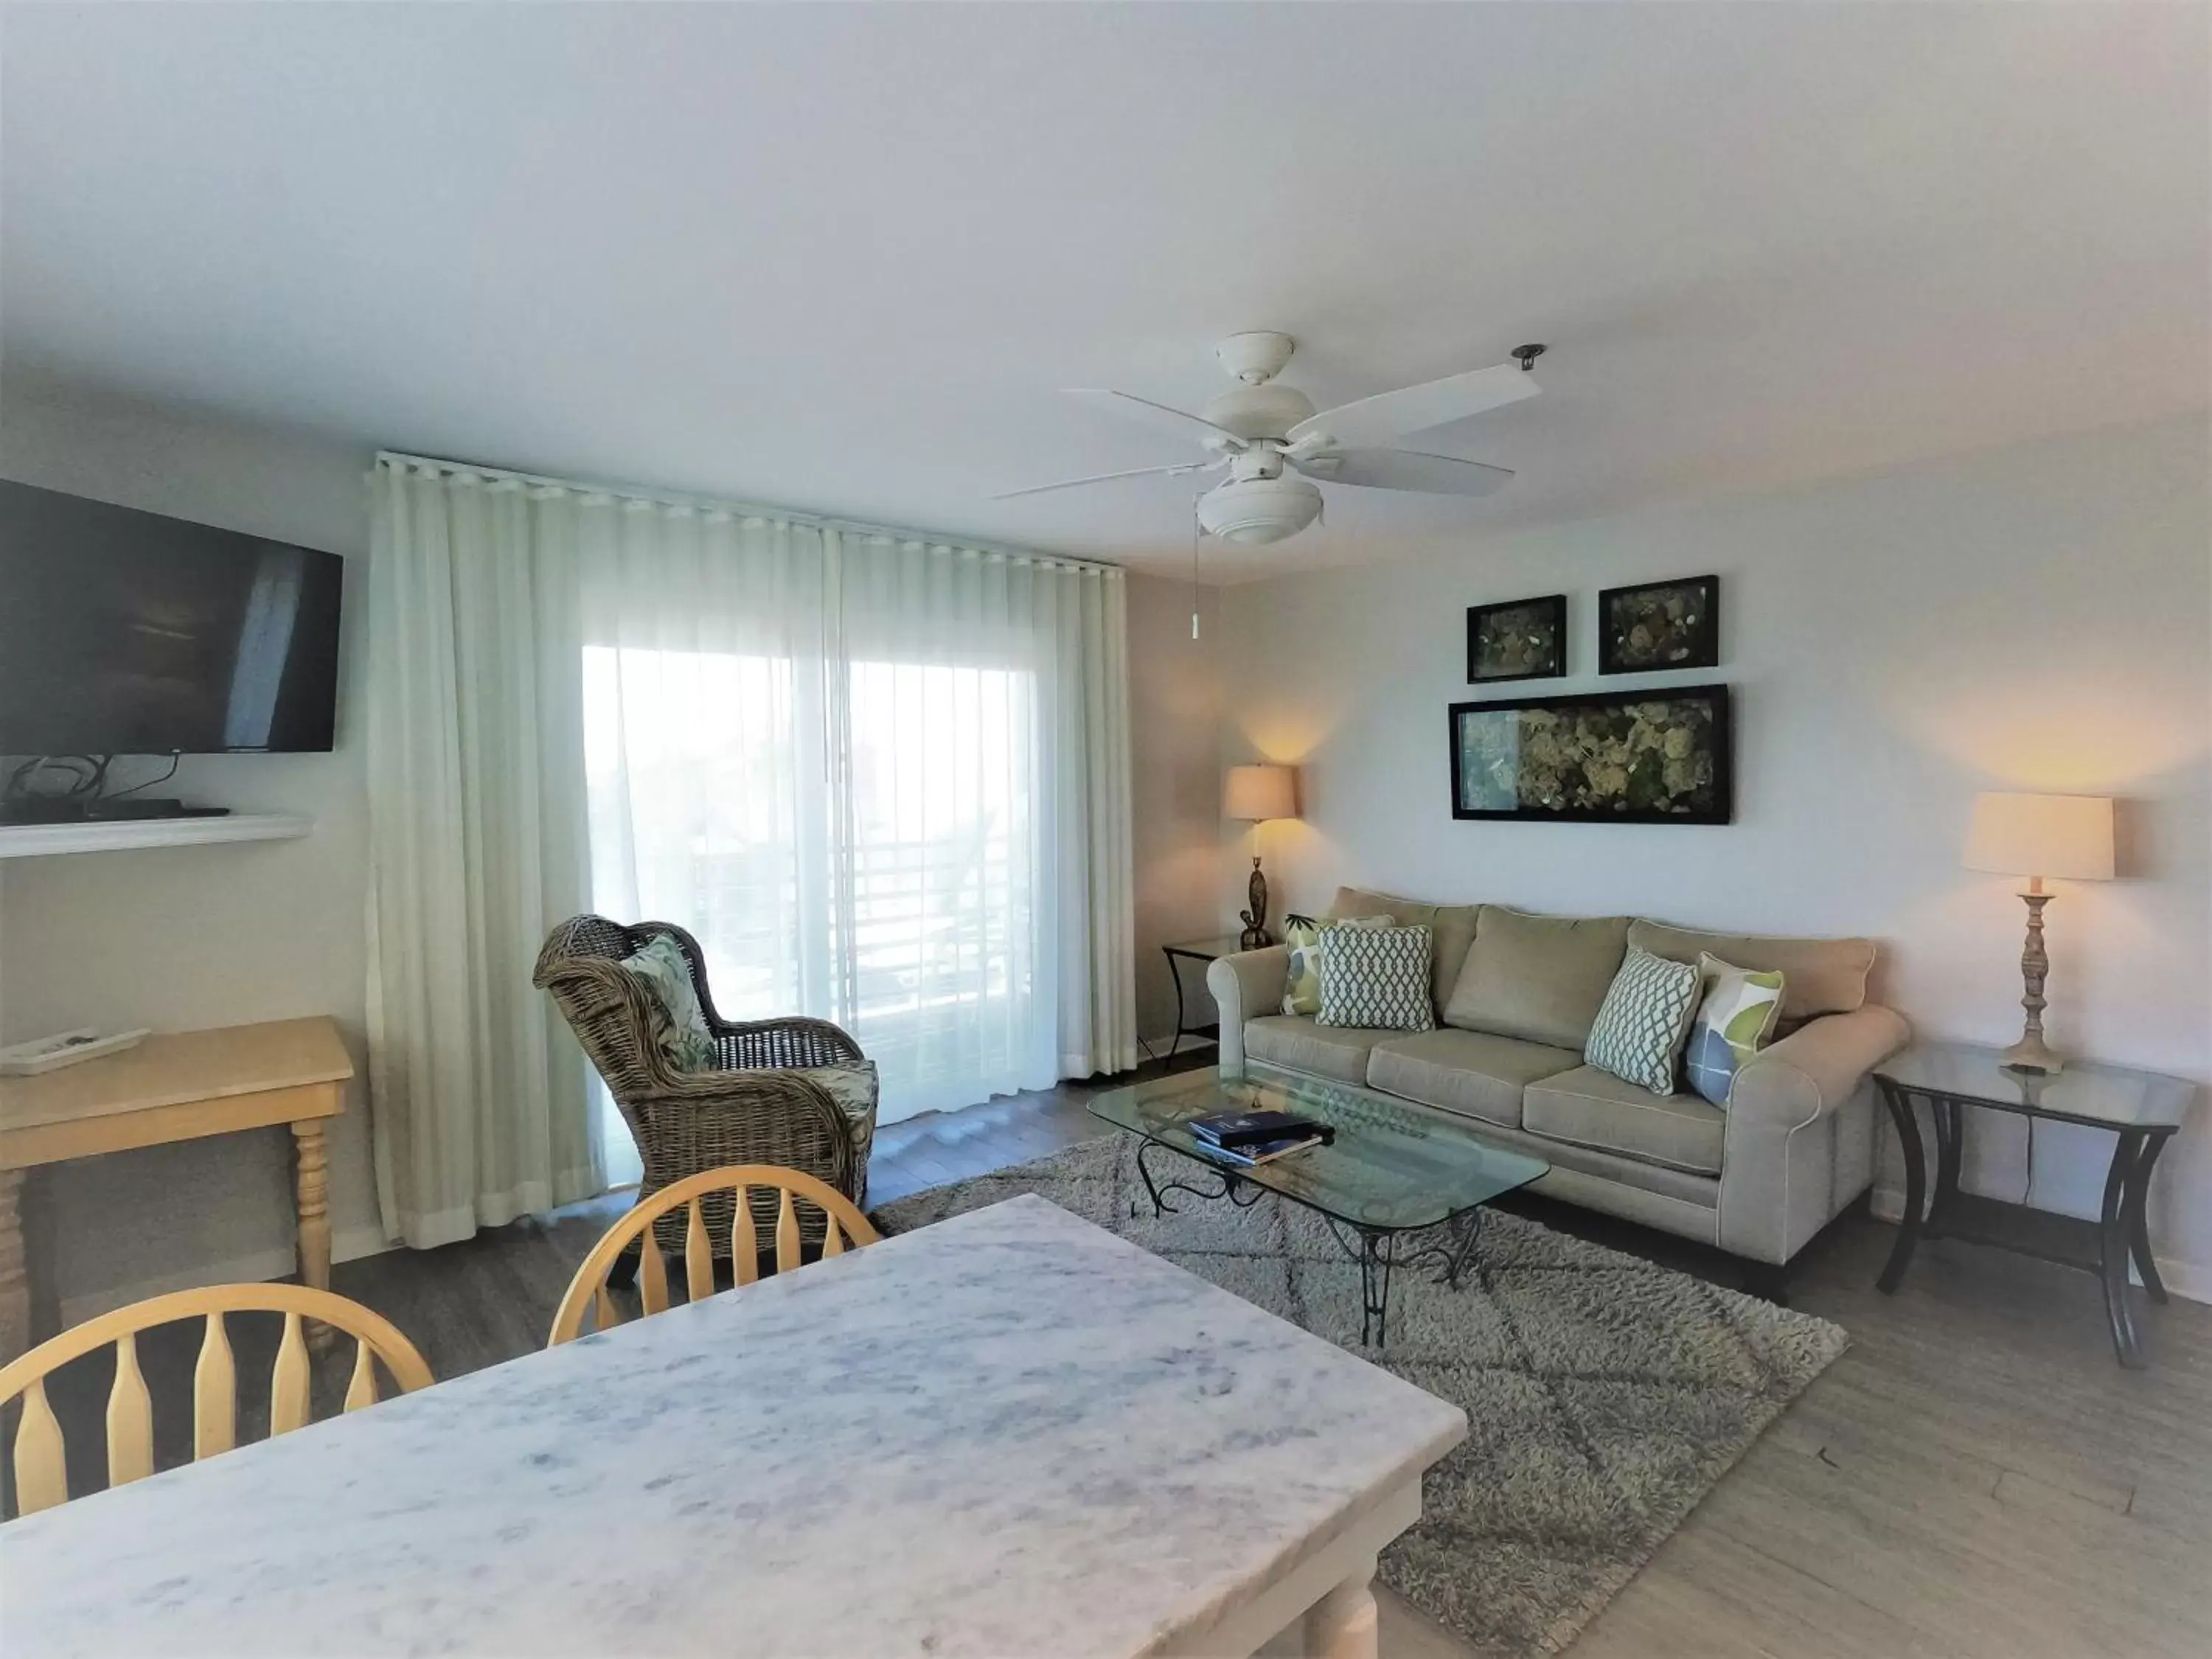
(1660, 625)
(1519, 640)
(1658, 756)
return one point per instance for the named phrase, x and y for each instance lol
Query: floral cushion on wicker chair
(679, 1026)
(855, 1089)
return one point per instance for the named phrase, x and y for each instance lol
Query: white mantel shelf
(33, 840)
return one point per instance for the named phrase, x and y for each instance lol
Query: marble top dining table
(1008, 1434)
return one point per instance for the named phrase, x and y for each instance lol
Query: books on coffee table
(1253, 1129)
(1252, 1153)
(1248, 1138)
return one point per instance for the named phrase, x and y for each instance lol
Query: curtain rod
(752, 510)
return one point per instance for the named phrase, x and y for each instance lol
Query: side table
(178, 1086)
(2142, 1108)
(1201, 950)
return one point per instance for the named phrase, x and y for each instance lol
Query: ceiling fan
(1262, 432)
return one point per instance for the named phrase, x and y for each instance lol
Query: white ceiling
(839, 258)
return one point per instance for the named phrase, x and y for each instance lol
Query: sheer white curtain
(474, 719)
(884, 781)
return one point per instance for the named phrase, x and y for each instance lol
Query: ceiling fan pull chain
(1197, 530)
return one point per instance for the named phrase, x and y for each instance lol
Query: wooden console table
(179, 1086)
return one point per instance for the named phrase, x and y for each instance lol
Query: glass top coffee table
(1402, 1186)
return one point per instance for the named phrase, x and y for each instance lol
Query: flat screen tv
(127, 633)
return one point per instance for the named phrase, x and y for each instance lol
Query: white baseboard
(349, 1244)
(1157, 1047)
(2191, 1280)
(237, 1270)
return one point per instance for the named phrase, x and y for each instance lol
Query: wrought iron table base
(1379, 1251)
(1230, 1188)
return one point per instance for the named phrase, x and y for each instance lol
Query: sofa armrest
(1816, 1068)
(1784, 1170)
(1244, 986)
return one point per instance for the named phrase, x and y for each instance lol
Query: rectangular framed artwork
(1660, 625)
(1519, 640)
(1663, 756)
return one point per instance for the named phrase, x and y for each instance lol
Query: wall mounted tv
(127, 633)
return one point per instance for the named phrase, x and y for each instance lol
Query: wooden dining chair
(41, 1467)
(733, 1200)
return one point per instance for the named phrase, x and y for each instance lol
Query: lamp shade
(1255, 793)
(2065, 836)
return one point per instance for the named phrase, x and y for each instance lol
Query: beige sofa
(1516, 996)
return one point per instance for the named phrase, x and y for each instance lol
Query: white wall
(2035, 617)
(189, 937)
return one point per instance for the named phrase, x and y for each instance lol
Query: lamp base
(2031, 1054)
(1255, 937)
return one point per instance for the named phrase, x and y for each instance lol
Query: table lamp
(1254, 794)
(2039, 837)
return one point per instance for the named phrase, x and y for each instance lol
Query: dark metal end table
(2142, 1108)
(1199, 950)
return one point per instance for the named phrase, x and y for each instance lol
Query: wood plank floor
(1975, 1477)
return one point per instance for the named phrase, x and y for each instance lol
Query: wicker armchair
(752, 1108)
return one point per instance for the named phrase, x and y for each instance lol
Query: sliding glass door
(857, 842)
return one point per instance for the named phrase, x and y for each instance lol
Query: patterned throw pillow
(1640, 1026)
(1734, 1023)
(1376, 978)
(855, 1089)
(680, 1027)
(1301, 991)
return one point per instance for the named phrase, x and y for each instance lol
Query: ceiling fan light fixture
(1253, 512)
(1260, 430)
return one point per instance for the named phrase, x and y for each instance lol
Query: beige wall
(2035, 617)
(1175, 724)
(219, 935)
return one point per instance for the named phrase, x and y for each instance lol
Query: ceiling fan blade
(1413, 409)
(1105, 477)
(1158, 415)
(1404, 468)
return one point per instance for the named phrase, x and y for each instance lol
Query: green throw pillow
(1638, 1035)
(681, 1028)
(1734, 1023)
(1301, 991)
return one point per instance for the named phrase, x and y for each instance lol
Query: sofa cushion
(1302, 934)
(1639, 1033)
(1818, 975)
(1453, 925)
(1590, 1108)
(1298, 1043)
(679, 1027)
(1376, 978)
(1470, 1073)
(1538, 978)
(1734, 1023)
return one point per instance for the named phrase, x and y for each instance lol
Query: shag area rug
(1604, 1395)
